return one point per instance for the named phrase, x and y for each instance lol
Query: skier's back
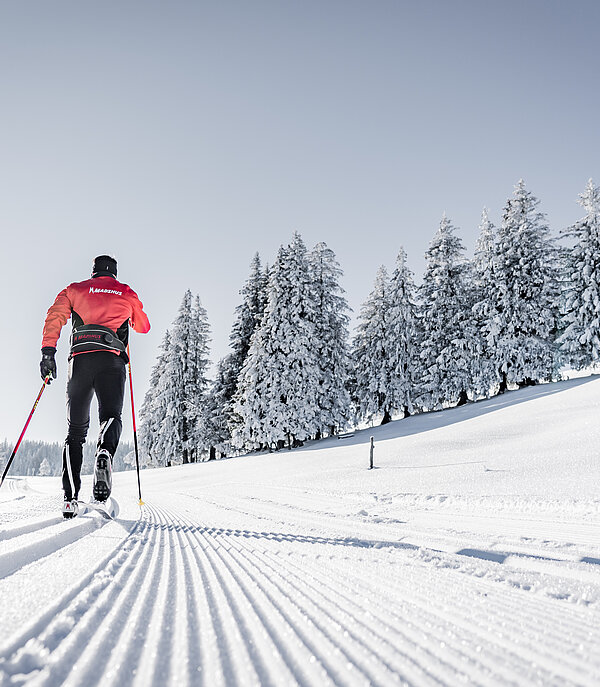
(102, 309)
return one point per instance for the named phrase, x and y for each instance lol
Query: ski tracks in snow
(180, 602)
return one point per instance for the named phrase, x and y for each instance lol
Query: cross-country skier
(102, 309)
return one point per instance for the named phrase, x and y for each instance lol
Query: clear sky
(184, 136)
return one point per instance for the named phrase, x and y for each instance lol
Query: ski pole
(135, 442)
(16, 448)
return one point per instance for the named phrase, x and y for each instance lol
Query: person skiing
(102, 309)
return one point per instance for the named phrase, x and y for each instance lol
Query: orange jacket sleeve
(58, 314)
(138, 320)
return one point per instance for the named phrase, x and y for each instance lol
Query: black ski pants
(102, 373)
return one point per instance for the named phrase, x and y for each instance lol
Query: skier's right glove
(48, 364)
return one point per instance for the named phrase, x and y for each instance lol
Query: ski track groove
(533, 603)
(251, 666)
(375, 627)
(240, 668)
(492, 663)
(212, 657)
(487, 580)
(343, 620)
(236, 607)
(331, 671)
(570, 671)
(274, 626)
(242, 607)
(36, 544)
(127, 647)
(215, 642)
(182, 656)
(37, 525)
(256, 572)
(462, 563)
(83, 621)
(168, 575)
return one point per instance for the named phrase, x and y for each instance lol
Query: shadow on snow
(425, 422)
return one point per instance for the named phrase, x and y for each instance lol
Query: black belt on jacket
(95, 337)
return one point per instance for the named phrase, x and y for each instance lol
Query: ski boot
(102, 476)
(70, 508)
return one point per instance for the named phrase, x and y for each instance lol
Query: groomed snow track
(177, 602)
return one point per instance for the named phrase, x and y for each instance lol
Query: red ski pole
(16, 448)
(135, 442)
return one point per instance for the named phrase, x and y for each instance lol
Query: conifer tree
(248, 315)
(484, 288)
(581, 339)
(249, 312)
(179, 422)
(524, 319)
(45, 468)
(403, 333)
(277, 391)
(220, 406)
(373, 366)
(447, 333)
(197, 386)
(153, 412)
(330, 340)
(174, 425)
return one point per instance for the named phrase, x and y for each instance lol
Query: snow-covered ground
(470, 555)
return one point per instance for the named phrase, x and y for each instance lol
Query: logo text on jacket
(116, 293)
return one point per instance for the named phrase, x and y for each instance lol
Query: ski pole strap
(95, 337)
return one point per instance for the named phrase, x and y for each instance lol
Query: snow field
(471, 555)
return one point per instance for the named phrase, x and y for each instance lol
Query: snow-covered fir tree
(484, 288)
(524, 318)
(154, 446)
(374, 369)
(248, 315)
(277, 390)
(404, 334)
(171, 429)
(580, 340)
(330, 340)
(174, 423)
(197, 382)
(220, 412)
(45, 468)
(447, 344)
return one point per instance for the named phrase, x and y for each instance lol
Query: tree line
(45, 458)
(525, 305)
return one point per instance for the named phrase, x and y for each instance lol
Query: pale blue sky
(184, 136)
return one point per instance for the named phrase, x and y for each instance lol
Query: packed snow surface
(469, 555)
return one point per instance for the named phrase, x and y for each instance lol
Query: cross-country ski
(108, 509)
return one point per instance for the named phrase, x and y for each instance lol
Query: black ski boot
(102, 475)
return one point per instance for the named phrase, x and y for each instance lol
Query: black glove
(48, 364)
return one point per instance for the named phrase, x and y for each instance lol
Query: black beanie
(104, 266)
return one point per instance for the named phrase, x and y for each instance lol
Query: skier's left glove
(48, 364)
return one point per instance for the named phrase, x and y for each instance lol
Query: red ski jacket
(99, 300)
